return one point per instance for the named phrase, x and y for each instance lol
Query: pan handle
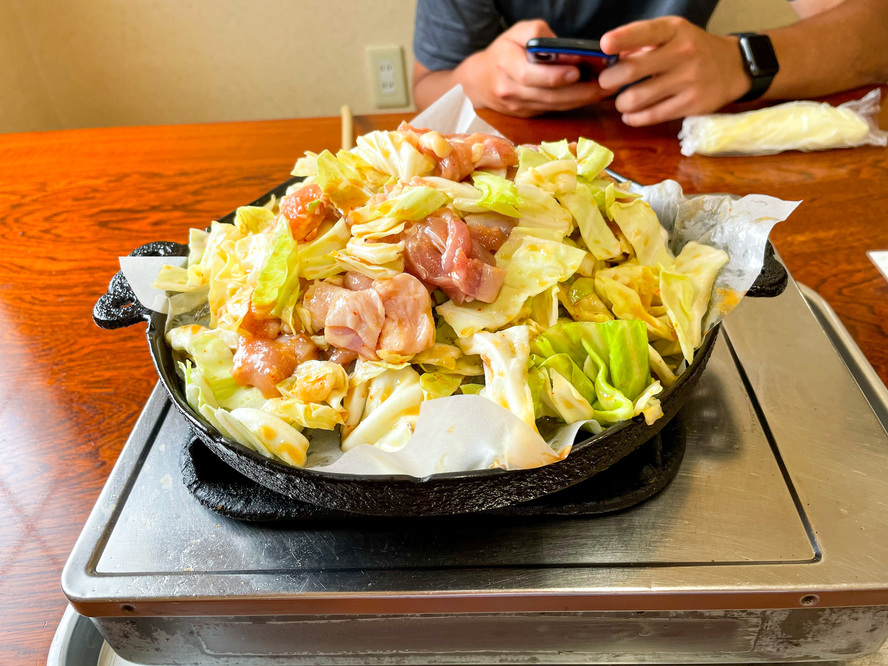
(118, 307)
(773, 279)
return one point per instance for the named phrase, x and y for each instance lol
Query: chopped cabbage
(642, 229)
(316, 260)
(539, 210)
(554, 177)
(255, 429)
(592, 158)
(390, 153)
(505, 355)
(278, 281)
(252, 220)
(685, 290)
(340, 181)
(306, 166)
(389, 411)
(438, 384)
(497, 194)
(557, 150)
(272, 436)
(606, 363)
(411, 203)
(597, 236)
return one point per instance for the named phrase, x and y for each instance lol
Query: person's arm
(501, 78)
(836, 46)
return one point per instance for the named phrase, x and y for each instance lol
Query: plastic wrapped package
(804, 126)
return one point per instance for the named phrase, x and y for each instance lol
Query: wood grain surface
(71, 202)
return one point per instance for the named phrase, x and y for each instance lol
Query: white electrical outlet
(386, 68)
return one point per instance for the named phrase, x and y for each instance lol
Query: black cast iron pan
(400, 495)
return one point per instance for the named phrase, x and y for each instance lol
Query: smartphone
(585, 54)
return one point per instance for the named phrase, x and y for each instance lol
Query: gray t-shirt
(449, 31)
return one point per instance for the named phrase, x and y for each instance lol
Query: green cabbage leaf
(639, 223)
(383, 410)
(505, 355)
(392, 154)
(277, 285)
(438, 384)
(341, 181)
(607, 364)
(597, 236)
(316, 261)
(497, 193)
(592, 158)
(685, 289)
(252, 220)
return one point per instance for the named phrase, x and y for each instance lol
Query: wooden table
(71, 202)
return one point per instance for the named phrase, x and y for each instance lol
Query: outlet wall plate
(385, 66)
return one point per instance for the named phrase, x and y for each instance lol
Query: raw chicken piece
(409, 327)
(304, 210)
(260, 324)
(490, 230)
(458, 164)
(264, 363)
(497, 153)
(356, 281)
(440, 252)
(466, 153)
(351, 319)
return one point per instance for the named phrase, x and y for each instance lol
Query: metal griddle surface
(729, 504)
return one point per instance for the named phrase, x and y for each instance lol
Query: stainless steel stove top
(779, 504)
(696, 521)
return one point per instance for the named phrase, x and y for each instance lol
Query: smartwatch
(760, 63)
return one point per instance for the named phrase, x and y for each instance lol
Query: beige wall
(89, 63)
(24, 99)
(131, 62)
(746, 15)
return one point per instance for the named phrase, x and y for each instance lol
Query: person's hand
(687, 70)
(501, 78)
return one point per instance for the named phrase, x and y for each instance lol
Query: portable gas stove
(771, 543)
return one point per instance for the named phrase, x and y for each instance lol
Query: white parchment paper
(462, 433)
(141, 272)
(458, 433)
(453, 113)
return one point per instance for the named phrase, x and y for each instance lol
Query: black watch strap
(760, 63)
(759, 88)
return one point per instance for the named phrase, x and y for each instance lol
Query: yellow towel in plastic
(802, 126)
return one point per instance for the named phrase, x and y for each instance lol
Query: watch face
(759, 55)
